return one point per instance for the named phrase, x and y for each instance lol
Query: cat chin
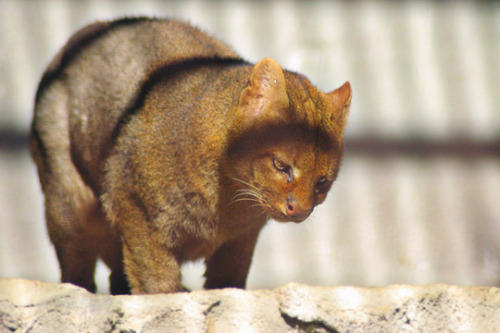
(281, 218)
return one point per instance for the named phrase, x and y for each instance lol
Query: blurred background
(418, 197)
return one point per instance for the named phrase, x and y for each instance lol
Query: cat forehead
(293, 139)
(311, 159)
(309, 103)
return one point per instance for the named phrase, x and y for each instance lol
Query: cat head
(286, 142)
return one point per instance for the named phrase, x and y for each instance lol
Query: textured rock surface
(31, 306)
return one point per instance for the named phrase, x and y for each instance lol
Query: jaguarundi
(157, 144)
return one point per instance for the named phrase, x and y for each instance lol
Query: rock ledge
(32, 306)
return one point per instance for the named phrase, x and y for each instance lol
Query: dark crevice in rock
(211, 307)
(315, 326)
(9, 323)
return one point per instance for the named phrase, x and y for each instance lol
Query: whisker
(260, 205)
(246, 191)
(244, 199)
(248, 194)
(246, 183)
(251, 194)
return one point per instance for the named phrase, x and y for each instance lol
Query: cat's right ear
(341, 98)
(265, 97)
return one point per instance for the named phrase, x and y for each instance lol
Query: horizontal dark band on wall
(422, 147)
(12, 140)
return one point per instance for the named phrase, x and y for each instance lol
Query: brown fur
(156, 144)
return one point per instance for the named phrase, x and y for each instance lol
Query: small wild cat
(156, 144)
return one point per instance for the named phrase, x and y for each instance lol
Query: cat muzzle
(294, 212)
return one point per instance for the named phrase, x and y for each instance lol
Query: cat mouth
(285, 214)
(285, 218)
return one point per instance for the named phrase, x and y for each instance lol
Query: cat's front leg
(150, 268)
(229, 265)
(150, 263)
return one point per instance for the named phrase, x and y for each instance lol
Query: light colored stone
(32, 306)
(399, 308)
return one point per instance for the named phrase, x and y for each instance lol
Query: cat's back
(141, 44)
(105, 63)
(93, 82)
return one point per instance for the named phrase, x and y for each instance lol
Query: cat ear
(265, 96)
(341, 99)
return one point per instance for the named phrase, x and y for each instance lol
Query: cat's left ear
(341, 99)
(265, 97)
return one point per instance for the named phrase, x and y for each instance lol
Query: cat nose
(295, 211)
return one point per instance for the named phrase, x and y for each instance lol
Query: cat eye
(319, 184)
(321, 181)
(280, 166)
(283, 167)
